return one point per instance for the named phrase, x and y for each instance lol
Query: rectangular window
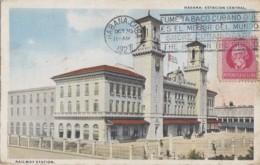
(111, 89)
(117, 106)
(61, 107)
(165, 96)
(18, 112)
(78, 106)
(52, 110)
(128, 106)
(129, 91)
(69, 91)
(86, 90)
(69, 106)
(12, 111)
(61, 92)
(52, 97)
(86, 106)
(139, 93)
(133, 107)
(78, 91)
(125, 130)
(138, 107)
(44, 111)
(38, 98)
(123, 106)
(111, 105)
(164, 108)
(44, 98)
(24, 99)
(31, 111)
(24, 111)
(96, 88)
(17, 101)
(96, 106)
(117, 90)
(12, 99)
(134, 92)
(123, 90)
(31, 98)
(38, 111)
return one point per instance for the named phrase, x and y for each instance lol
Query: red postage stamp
(237, 59)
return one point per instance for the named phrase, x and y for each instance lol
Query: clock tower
(196, 72)
(148, 61)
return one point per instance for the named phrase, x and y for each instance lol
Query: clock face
(157, 64)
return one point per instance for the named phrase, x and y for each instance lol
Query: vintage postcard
(130, 82)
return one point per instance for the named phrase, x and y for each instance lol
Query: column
(9, 139)
(146, 149)
(236, 129)
(93, 148)
(18, 140)
(131, 151)
(52, 143)
(90, 132)
(78, 146)
(73, 131)
(245, 130)
(40, 142)
(28, 141)
(111, 149)
(170, 144)
(81, 132)
(159, 147)
(233, 146)
(64, 145)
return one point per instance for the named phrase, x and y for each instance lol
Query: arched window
(37, 129)
(18, 128)
(86, 131)
(51, 129)
(44, 129)
(31, 129)
(61, 130)
(24, 128)
(68, 131)
(95, 132)
(12, 128)
(77, 131)
(193, 54)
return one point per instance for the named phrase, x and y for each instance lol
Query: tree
(193, 154)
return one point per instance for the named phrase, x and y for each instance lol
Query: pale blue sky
(47, 42)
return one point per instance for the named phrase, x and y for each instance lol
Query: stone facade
(236, 118)
(31, 111)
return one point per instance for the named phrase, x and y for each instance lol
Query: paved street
(21, 153)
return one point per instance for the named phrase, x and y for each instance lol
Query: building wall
(32, 106)
(235, 117)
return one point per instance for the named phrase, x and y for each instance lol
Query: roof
(128, 121)
(32, 89)
(149, 18)
(98, 69)
(180, 121)
(195, 43)
(210, 91)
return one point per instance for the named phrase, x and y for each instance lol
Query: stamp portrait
(130, 82)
